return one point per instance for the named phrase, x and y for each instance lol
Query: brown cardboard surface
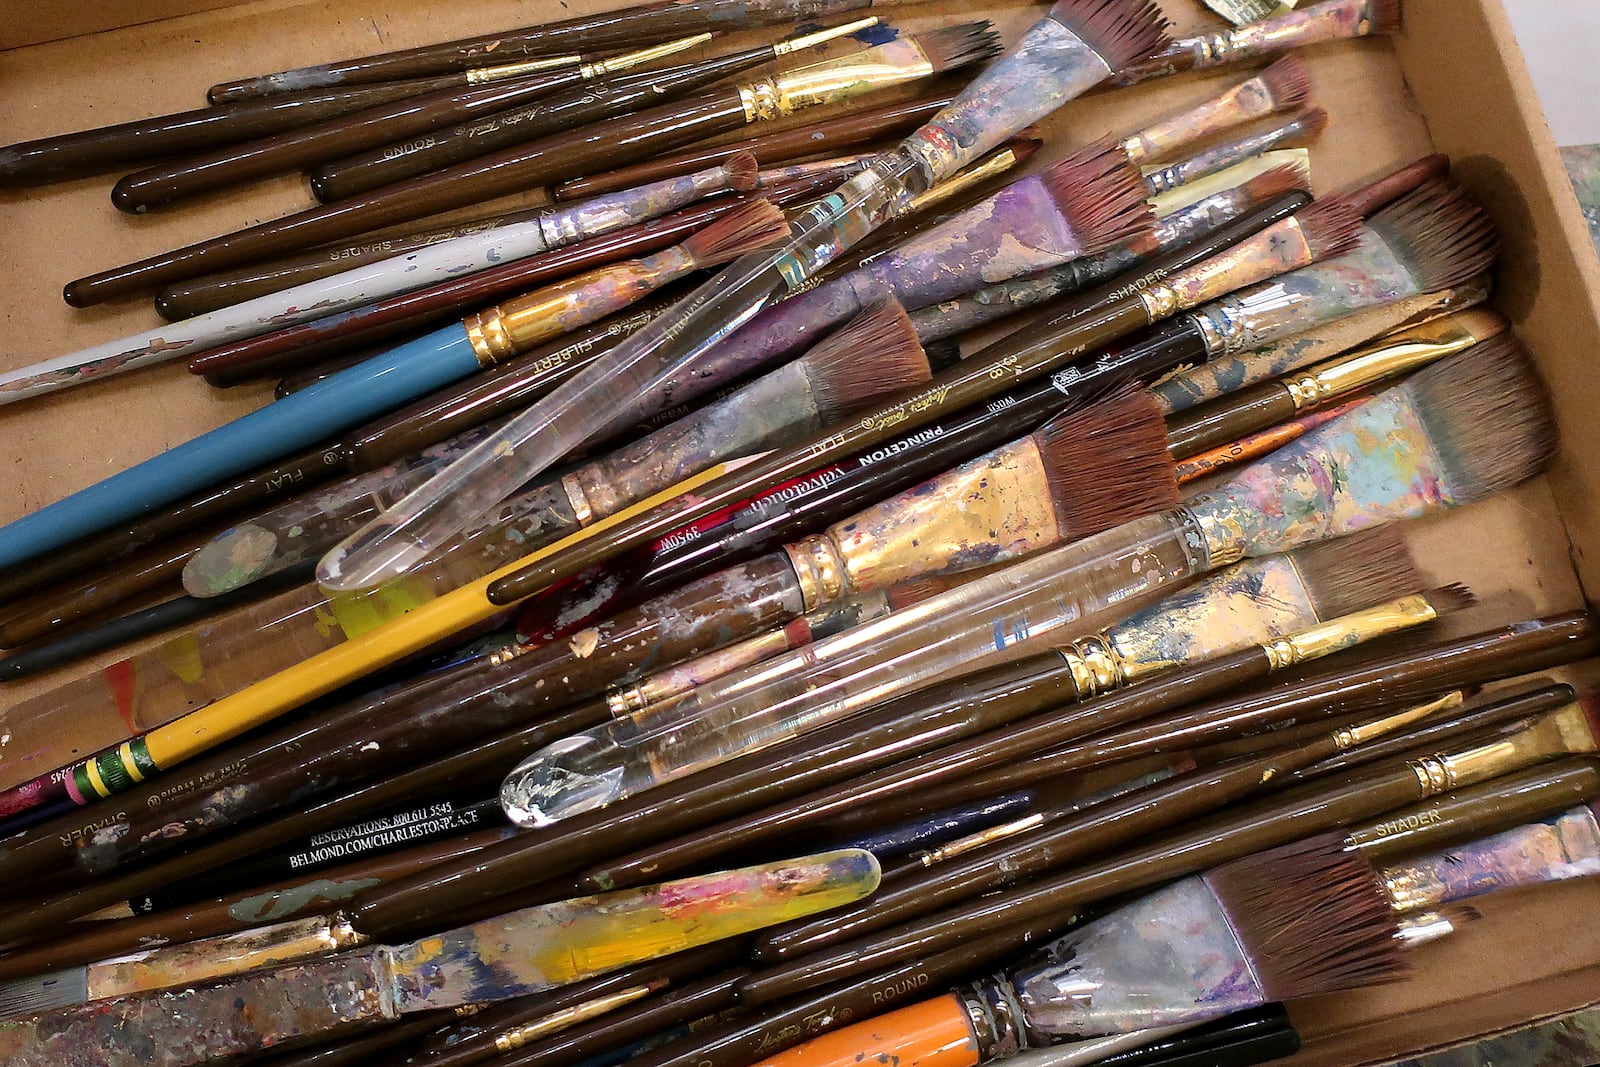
(1454, 82)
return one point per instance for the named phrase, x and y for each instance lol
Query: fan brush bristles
(1443, 238)
(1288, 82)
(1108, 463)
(1288, 178)
(1488, 417)
(1121, 31)
(1331, 227)
(741, 230)
(1101, 193)
(959, 46)
(743, 171)
(865, 361)
(1352, 573)
(1312, 918)
(1384, 16)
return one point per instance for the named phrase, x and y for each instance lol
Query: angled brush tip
(1488, 417)
(744, 229)
(1330, 226)
(958, 46)
(867, 360)
(1271, 184)
(1443, 238)
(741, 170)
(1384, 190)
(1120, 31)
(1288, 82)
(1449, 599)
(1349, 574)
(1107, 463)
(1101, 193)
(1312, 917)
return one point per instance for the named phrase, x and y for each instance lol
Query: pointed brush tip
(1120, 31)
(1288, 82)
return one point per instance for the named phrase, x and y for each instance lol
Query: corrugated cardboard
(1453, 82)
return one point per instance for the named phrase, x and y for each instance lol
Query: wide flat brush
(627, 28)
(379, 385)
(550, 159)
(170, 183)
(1459, 439)
(513, 955)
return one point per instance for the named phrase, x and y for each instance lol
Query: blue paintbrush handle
(327, 408)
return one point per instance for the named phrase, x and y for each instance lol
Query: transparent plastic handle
(1074, 586)
(558, 424)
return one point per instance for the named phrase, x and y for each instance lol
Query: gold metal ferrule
(1223, 532)
(1560, 733)
(512, 1040)
(625, 701)
(1348, 631)
(1278, 248)
(601, 67)
(1397, 354)
(1349, 737)
(820, 570)
(489, 331)
(484, 75)
(1096, 668)
(993, 165)
(836, 79)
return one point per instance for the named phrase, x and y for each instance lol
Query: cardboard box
(1453, 82)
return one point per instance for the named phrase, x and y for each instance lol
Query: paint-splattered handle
(1567, 846)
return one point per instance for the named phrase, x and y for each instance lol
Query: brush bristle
(942, 354)
(1331, 227)
(1439, 233)
(1312, 918)
(915, 590)
(1312, 121)
(1108, 463)
(1385, 16)
(44, 992)
(1288, 82)
(1487, 416)
(868, 359)
(1024, 146)
(1357, 572)
(1449, 599)
(1102, 195)
(742, 171)
(744, 229)
(1120, 31)
(958, 46)
(1288, 178)
(1379, 192)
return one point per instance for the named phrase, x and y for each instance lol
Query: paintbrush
(382, 383)
(627, 28)
(555, 157)
(1052, 61)
(1330, 20)
(1283, 85)
(515, 954)
(551, 100)
(394, 159)
(1303, 127)
(355, 288)
(1251, 446)
(1490, 428)
(1399, 353)
(712, 612)
(858, 365)
(1037, 492)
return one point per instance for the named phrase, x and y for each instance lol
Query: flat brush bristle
(1356, 572)
(1439, 233)
(1384, 15)
(1312, 918)
(1311, 122)
(742, 171)
(1487, 416)
(1024, 148)
(1287, 178)
(741, 230)
(1288, 82)
(1331, 227)
(44, 992)
(868, 359)
(958, 46)
(1101, 193)
(1449, 599)
(1108, 463)
(916, 590)
(1121, 31)
(1379, 192)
